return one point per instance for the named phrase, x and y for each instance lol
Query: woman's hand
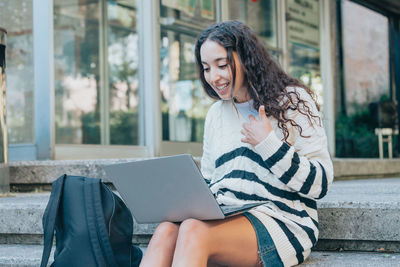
(256, 130)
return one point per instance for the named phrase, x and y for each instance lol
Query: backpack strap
(49, 218)
(96, 224)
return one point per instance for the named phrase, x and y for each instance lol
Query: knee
(192, 229)
(166, 232)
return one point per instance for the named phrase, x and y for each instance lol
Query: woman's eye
(223, 66)
(206, 69)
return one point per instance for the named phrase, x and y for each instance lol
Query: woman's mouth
(222, 89)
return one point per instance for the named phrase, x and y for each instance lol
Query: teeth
(222, 87)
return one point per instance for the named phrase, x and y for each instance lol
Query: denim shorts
(266, 247)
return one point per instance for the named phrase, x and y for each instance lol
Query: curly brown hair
(267, 81)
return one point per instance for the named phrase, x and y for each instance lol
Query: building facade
(117, 78)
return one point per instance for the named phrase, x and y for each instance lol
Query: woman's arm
(305, 166)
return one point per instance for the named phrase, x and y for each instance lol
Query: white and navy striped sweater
(289, 177)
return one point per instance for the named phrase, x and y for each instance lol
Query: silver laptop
(168, 189)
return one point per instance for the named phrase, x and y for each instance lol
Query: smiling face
(218, 73)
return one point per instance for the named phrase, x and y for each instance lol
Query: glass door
(97, 89)
(98, 96)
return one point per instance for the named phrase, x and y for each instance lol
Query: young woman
(263, 141)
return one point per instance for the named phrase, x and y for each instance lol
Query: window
(123, 75)
(16, 17)
(303, 38)
(366, 99)
(96, 73)
(261, 16)
(184, 105)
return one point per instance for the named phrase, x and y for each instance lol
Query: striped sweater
(290, 175)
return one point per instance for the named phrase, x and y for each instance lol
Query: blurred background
(113, 79)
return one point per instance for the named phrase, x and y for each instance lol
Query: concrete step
(29, 175)
(352, 259)
(24, 255)
(20, 255)
(355, 215)
(30, 255)
(21, 220)
(361, 215)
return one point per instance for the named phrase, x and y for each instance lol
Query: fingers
(261, 112)
(246, 126)
(245, 138)
(244, 132)
(252, 118)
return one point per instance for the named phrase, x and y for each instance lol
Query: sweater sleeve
(305, 166)
(207, 166)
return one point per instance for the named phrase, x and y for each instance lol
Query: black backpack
(93, 226)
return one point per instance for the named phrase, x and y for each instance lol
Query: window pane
(96, 103)
(261, 16)
(184, 103)
(366, 101)
(16, 18)
(199, 14)
(123, 73)
(77, 72)
(366, 62)
(303, 44)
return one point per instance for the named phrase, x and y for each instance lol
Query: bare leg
(161, 247)
(230, 242)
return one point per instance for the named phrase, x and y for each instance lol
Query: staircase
(359, 219)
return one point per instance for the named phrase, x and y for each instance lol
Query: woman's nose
(214, 75)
